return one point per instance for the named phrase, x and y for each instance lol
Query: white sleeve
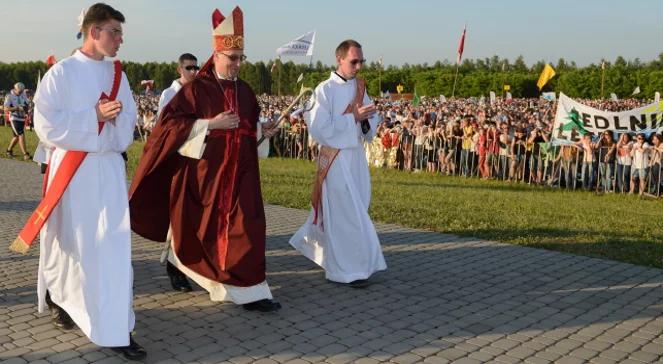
(42, 153)
(330, 130)
(60, 125)
(166, 95)
(194, 146)
(374, 121)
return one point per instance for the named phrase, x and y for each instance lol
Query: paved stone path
(443, 299)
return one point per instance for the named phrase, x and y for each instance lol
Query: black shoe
(133, 351)
(265, 305)
(359, 283)
(178, 279)
(60, 317)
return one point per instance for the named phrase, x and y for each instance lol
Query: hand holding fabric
(108, 110)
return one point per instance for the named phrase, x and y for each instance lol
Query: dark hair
(100, 13)
(342, 49)
(187, 57)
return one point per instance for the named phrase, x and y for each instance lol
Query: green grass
(617, 227)
(31, 140)
(6, 136)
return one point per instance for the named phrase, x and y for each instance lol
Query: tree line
(476, 77)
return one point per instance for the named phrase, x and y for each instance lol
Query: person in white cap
(17, 104)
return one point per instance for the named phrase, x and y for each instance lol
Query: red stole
(327, 156)
(53, 193)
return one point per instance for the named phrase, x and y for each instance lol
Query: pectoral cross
(41, 214)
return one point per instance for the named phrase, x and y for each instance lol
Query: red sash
(70, 163)
(326, 157)
(359, 97)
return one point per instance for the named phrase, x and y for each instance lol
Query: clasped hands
(229, 120)
(360, 112)
(108, 110)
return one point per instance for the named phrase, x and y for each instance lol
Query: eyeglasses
(192, 67)
(235, 57)
(117, 33)
(354, 62)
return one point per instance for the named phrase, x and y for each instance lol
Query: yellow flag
(547, 73)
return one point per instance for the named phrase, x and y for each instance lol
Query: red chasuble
(214, 204)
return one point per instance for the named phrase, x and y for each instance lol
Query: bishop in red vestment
(198, 177)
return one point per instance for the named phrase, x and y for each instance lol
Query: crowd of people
(506, 140)
(197, 183)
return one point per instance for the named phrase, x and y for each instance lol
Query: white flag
(550, 96)
(614, 97)
(508, 96)
(300, 46)
(657, 96)
(300, 78)
(443, 99)
(492, 97)
(636, 91)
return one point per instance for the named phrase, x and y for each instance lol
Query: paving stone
(488, 302)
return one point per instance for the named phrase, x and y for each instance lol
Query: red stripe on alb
(54, 190)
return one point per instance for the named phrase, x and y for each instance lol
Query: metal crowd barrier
(553, 167)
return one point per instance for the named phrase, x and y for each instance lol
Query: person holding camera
(17, 103)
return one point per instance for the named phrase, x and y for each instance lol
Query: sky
(413, 31)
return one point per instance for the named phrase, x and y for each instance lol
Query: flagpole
(602, 78)
(380, 76)
(279, 78)
(453, 90)
(504, 77)
(461, 47)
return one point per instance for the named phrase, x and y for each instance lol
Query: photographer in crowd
(16, 103)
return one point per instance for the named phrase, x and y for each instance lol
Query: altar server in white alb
(338, 234)
(85, 274)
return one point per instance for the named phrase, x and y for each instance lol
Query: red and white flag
(461, 46)
(50, 61)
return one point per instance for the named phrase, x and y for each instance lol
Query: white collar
(224, 78)
(340, 80)
(82, 57)
(176, 85)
